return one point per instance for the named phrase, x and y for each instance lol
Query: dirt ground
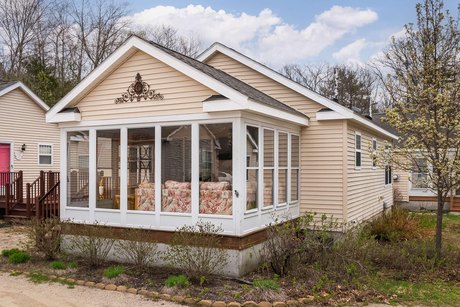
(18, 291)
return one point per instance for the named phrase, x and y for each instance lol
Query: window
(357, 150)
(252, 167)
(45, 154)
(420, 174)
(108, 169)
(388, 172)
(216, 169)
(269, 166)
(176, 168)
(141, 169)
(77, 168)
(374, 153)
(295, 164)
(282, 167)
(388, 175)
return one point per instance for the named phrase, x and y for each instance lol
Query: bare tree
(100, 28)
(18, 22)
(350, 86)
(169, 37)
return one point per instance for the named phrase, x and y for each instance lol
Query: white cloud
(265, 36)
(351, 53)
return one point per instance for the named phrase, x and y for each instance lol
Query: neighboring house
(154, 139)
(412, 189)
(27, 142)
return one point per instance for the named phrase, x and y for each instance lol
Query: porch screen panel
(252, 167)
(269, 166)
(282, 167)
(216, 169)
(78, 169)
(108, 169)
(295, 165)
(176, 164)
(141, 171)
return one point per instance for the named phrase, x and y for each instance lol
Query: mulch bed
(217, 289)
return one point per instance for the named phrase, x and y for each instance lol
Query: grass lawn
(436, 293)
(450, 225)
(431, 293)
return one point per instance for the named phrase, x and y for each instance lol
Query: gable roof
(217, 80)
(5, 88)
(342, 111)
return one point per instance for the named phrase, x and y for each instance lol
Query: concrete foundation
(239, 262)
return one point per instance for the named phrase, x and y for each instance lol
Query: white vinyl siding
(322, 177)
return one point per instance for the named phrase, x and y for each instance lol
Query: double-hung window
(374, 153)
(45, 154)
(358, 153)
(388, 171)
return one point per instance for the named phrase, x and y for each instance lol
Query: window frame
(388, 171)
(374, 152)
(282, 168)
(50, 155)
(272, 168)
(291, 168)
(357, 133)
(258, 168)
(428, 169)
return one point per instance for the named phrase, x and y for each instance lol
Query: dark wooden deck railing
(48, 204)
(12, 183)
(37, 189)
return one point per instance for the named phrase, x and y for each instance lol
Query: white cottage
(155, 139)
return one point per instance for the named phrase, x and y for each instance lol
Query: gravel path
(18, 291)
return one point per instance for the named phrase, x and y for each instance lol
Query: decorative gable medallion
(137, 91)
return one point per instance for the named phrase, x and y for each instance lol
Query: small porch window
(282, 167)
(374, 153)
(45, 154)
(269, 167)
(295, 166)
(78, 169)
(358, 153)
(252, 167)
(108, 169)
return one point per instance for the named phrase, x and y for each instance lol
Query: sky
(277, 32)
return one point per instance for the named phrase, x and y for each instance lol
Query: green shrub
(19, 257)
(93, 243)
(135, 249)
(58, 265)
(177, 281)
(394, 226)
(72, 265)
(113, 271)
(266, 284)
(8, 252)
(45, 237)
(198, 250)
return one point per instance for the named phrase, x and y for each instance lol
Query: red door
(4, 163)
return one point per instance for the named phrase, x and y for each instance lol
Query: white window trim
(257, 168)
(274, 184)
(390, 184)
(291, 168)
(282, 168)
(360, 150)
(38, 154)
(374, 152)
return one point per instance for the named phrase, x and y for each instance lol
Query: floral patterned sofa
(215, 197)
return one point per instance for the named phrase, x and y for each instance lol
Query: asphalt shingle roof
(232, 82)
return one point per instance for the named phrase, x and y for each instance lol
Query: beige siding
(22, 121)
(366, 190)
(401, 186)
(182, 95)
(321, 143)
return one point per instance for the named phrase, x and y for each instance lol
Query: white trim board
(27, 91)
(341, 110)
